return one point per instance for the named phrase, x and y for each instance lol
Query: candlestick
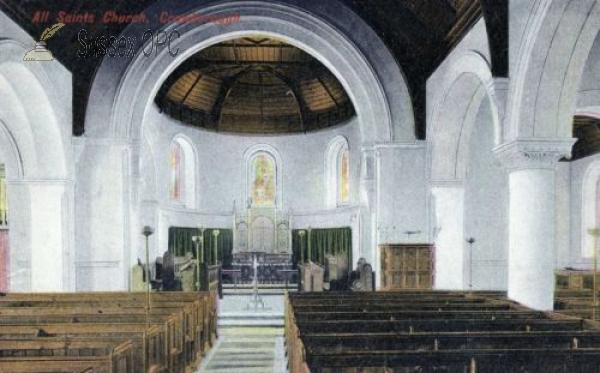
(215, 245)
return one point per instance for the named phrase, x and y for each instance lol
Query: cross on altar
(255, 299)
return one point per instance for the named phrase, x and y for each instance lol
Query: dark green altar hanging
(180, 243)
(315, 244)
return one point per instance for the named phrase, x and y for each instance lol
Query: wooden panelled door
(407, 266)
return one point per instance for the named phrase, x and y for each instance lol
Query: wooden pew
(433, 331)
(170, 322)
(182, 325)
(202, 315)
(55, 355)
(149, 344)
(473, 361)
(301, 316)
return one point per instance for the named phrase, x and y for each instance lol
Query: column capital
(542, 153)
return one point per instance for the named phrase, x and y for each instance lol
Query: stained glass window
(176, 165)
(343, 177)
(263, 179)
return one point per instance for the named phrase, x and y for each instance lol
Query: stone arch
(29, 117)
(548, 68)
(467, 84)
(40, 190)
(588, 95)
(359, 60)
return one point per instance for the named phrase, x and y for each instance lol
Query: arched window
(176, 164)
(263, 177)
(343, 177)
(182, 169)
(337, 166)
(262, 170)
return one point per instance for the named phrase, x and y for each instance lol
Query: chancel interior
(416, 182)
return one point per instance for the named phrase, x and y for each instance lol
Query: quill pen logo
(39, 52)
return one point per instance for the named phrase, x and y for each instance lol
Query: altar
(262, 234)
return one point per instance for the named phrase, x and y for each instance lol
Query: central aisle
(247, 350)
(250, 337)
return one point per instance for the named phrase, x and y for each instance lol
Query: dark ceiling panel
(415, 31)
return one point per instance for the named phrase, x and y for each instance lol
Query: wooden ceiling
(419, 33)
(255, 85)
(587, 132)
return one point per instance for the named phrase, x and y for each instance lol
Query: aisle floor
(250, 338)
(247, 350)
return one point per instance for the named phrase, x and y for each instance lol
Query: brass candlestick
(302, 233)
(147, 232)
(215, 233)
(199, 241)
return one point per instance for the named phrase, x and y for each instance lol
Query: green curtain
(224, 246)
(323, 242)
(180, 243)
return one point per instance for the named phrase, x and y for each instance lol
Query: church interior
(316, 186)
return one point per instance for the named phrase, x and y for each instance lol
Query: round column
(531, 164)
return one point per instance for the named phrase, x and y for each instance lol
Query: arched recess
(589, 200)
(188, 164)
(335, 150)
(34, 145)
(548, 67)
(344, 43)
(467, 88)
(467, 84)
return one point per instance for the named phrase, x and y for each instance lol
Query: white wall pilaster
(449, 243)
(103, 224)
(51, 246)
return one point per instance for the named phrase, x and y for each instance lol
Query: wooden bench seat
(178, 329)
(433, 332)
(199, 305)
(449, 341)
(488, 361)
(149, 344)
(175, 339)
(366, 326)
(75, 356)
(301, 316)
